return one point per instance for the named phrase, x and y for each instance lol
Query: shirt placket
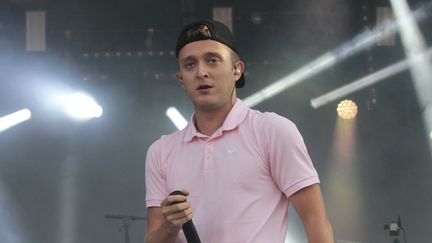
(208, 155)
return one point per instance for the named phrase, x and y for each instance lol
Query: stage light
(177, 118)
(14, 119)
(347, 109)
(367, 80)
(358, 43)
(318, 65)
(420, 67)
(80, 106)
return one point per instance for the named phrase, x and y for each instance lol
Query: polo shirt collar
(233, 120)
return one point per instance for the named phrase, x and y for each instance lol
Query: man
(238, 168)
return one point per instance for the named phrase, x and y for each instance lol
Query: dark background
(59, 177)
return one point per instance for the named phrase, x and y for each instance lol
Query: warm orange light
(347, 109)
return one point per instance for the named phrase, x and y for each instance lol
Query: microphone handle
(190, 232)
(189, 229)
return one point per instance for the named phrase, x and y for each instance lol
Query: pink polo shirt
(240, 178)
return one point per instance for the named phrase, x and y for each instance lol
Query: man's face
(207, 74)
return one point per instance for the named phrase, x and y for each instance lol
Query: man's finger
(173, 199)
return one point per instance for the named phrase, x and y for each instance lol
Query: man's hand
(176, 211)
(164, 223)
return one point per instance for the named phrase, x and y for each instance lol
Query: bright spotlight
(14, 119)
(81, 106)
(347, 109)
(176, 117)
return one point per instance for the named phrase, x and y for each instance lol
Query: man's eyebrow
(213, 54)
(206, 55)
(187, 58)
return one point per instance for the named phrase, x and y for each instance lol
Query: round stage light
(347, 109)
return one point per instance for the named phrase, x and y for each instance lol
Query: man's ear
(238, 69)
(179, 79)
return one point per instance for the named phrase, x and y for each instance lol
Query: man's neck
(208, 122)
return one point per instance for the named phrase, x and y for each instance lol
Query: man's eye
(189, 64)
(213, 60)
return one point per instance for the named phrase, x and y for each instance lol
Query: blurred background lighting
(360, 42)
(81, 106)
(368, 80)
(14, 119)
(420, 66)
(347, 109)
(174, 115)
(10, 226)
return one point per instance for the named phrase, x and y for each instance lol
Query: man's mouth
(204, 87)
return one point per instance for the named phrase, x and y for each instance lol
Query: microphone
(188, 227)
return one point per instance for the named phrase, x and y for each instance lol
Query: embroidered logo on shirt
(230, 151)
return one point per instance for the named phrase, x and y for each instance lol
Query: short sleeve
(290, 163)
(155, 176)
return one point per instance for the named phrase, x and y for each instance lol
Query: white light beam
(176, 117)
(366, 81)
(327, 60)
(421, 68)
(14, 119)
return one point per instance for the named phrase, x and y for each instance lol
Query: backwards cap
(208, 30)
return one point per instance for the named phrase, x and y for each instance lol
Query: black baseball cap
(208, 30)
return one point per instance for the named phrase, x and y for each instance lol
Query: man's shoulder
(269, 119)
(168, 140)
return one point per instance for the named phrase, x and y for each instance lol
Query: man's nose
(201, 71)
